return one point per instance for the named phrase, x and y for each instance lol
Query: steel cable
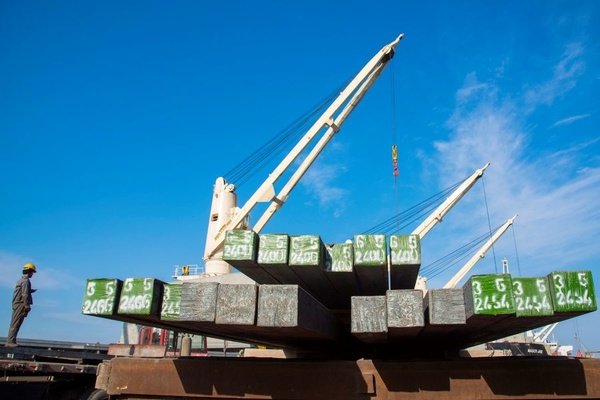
(282, 142)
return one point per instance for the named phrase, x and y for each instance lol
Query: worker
(21, 303)
(186, 270)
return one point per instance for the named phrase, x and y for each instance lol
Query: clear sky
(117, 117)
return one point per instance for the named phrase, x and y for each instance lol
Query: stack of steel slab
(487, 308)
(313, 296)
(278, 315)
(332, 273)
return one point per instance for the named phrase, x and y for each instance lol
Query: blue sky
(117, 117)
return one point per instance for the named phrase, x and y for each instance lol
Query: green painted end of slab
(492, 294)
(532, 297)
(339, 257)
(273, 249)
(306, 250)
(140, 296)
(171, 301)
(240, 245)
(101, 296)
(405, 249)
(573, 291)
(370, 250)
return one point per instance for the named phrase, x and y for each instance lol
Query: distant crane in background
(586, 353)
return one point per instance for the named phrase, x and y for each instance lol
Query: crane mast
(225, 215)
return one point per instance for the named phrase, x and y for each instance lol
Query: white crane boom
(586, 353)
(479, 255)
(437, 216)
(585, 350)
(366, 79)
(542, 334)
(224, 213)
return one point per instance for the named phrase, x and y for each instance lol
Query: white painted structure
(224, 213)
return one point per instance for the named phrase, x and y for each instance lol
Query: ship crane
(586, 353)
(479, 255)
(542, 334)
(439, 213)
(225, 215)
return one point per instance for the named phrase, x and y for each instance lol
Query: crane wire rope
(394, 146)
(414, 213)
(442, 264)
(394, 160)
(487, 210)
(280, 143)
(516, 250)
(576, 329)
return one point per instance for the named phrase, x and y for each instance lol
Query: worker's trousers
(19, 313)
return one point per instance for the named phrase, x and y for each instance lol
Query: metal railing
(187, 269)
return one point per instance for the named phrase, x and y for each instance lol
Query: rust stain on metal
(251, 378)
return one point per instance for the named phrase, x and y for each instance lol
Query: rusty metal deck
(250, 378)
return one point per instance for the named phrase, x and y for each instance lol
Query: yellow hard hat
(29, 267)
